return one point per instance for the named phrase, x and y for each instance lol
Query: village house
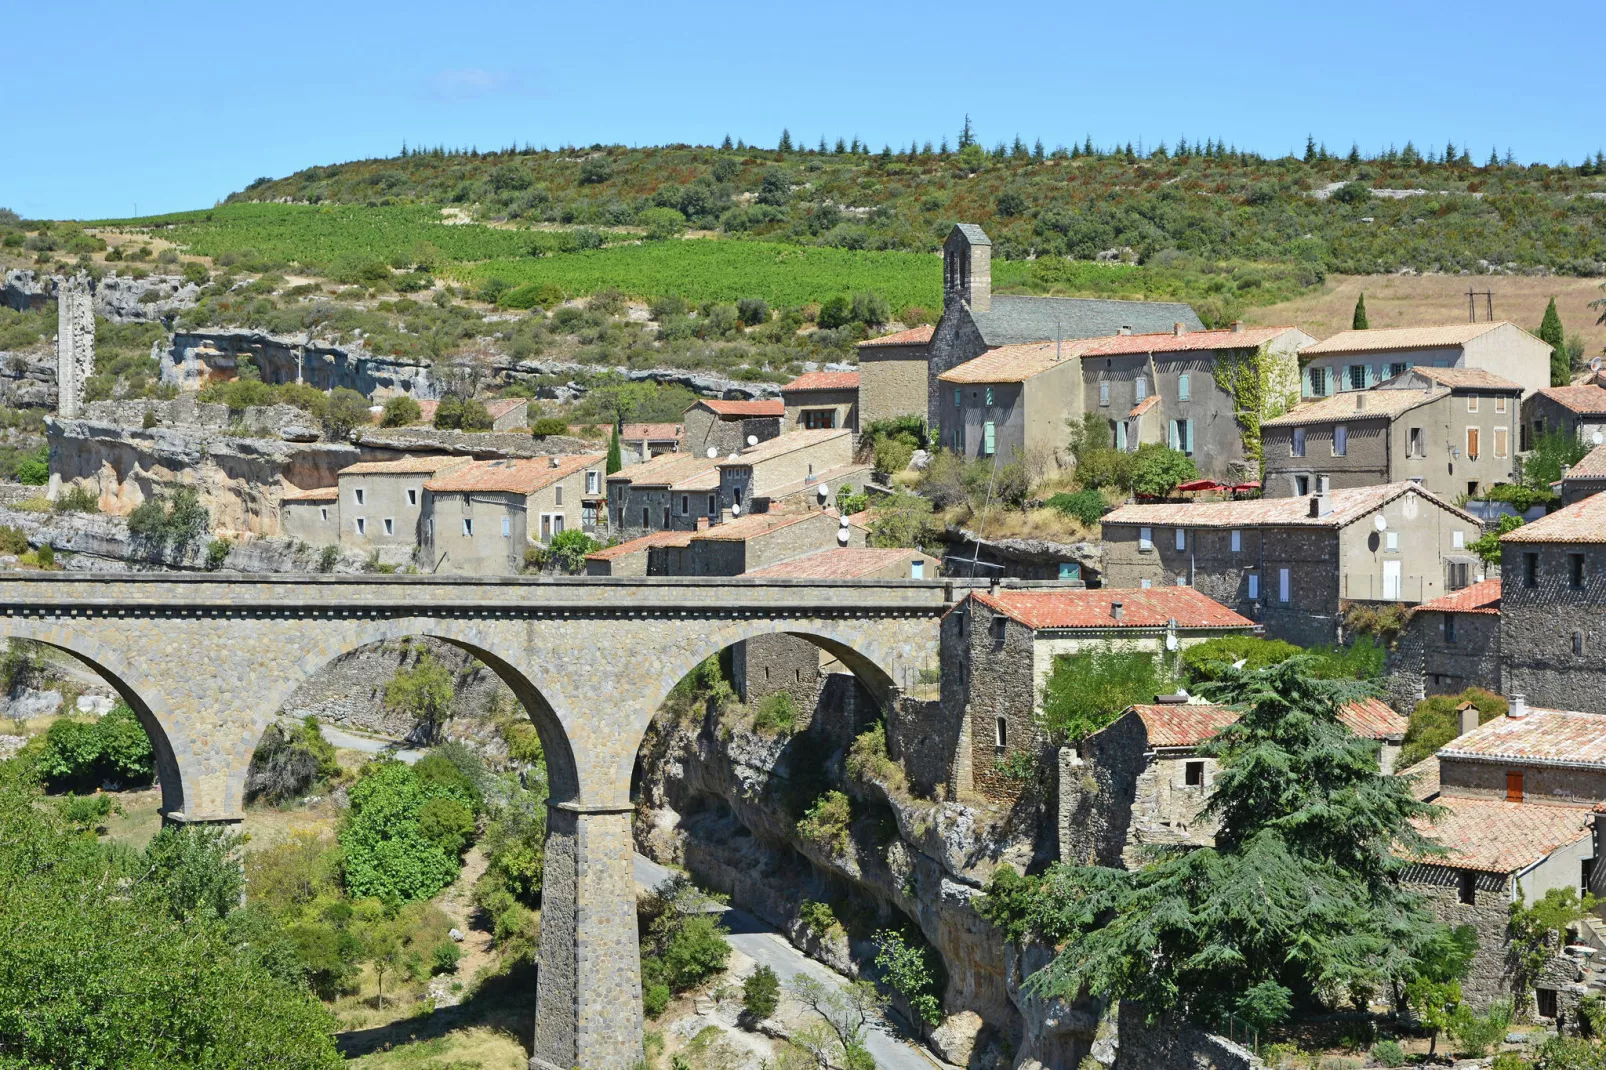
(507, 414)
(1574, 410)
(1450, 644)
(480, 518)
(892, 375)
(1585, 478)
(811, 467)
(1453, 430)
(311, 516)
(1000, 647)
(634, 557)
(1293, 563)
(1553, 590)
(647, 441)
(756, 540)
(1358, 360)
(670, 492)
(382, 502)
(726, 426)
(1012, 402)
(821, 401)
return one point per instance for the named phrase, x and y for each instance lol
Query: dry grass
(476, 1046)
(1050, 524)
(1415, 300)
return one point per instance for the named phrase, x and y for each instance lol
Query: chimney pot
(1468, 718)
(702, 523)
(1179, 328)
(1315, 505)
(1117, 610)
(1360, 401)
(1322, 485)
(1237, 326)
(1519, 706)
(1125, 328)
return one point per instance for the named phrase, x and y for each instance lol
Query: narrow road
(397, 748)
(769, 948)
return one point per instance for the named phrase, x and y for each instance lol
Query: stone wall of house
(773, 663)
(892, 383)
(1542, 626)
(1173, 1044)
(985, 680)
(923, 740)
(1489, 977)
(1425, 663)
(1540, 783)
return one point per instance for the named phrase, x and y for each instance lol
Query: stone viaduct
(207, 660)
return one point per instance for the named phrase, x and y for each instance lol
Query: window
(1193, 774)
(1104, 392)
(1254, 585)
(666, 518)
(1141, 388)
(1545, 1002)
(1184, 387)
(1283, 592)
(390, 526)
(1449, 627)
(958, 393)
(362, 526)
(1575, 571)
(358, 492)
(1397, 368)
(591, 482)
(1416, 443)
(1586, 869)
(646, 517)
(507, 527)
(1120, 436)
(1530, 570)
(323, 513)
(468, 525)
(1318, 382)
(1182, 436)
(1070, 570)
(1466, 892)
(917, 569)
(1182, 538)
(1500, 406)
(1458, 540)
(819, 419)
(1000, 732)
(998, 626)
(1578, 644)
(1340, 440)
(1144, 585)
(1297, 449)
(1301, 486)
(989, 395)
(557, 494)
(1472, 443)
(1460, 576)
(412, 495)
(1237, 541)
(1145, 538)
(1502, 441)
(713, 505)
(987, 441)
(959, 438)
(1514, 786)
(1472, 403)
(1357, 377)
(1391, 542)
(685, 505)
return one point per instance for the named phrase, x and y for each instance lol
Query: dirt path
(457, 903)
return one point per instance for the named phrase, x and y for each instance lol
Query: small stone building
(1450, 644)
(1293, 563)
(647, 441)
(1575, 410)
(794, 467)
(1552, 605)
(670, 492)
(312, 516)
(1585, 478)
(892, 375)
(756, 540)
(1012, 403)
(382, 503)
(725, 426)
(635, 557)
(480, 518)
(999, 649)
(1357, 360)
(822, 400)
(1452, 430)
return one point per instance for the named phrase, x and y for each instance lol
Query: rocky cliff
(119, 298)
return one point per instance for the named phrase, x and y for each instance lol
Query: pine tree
(1087, 146)
(1310, 148)
(726, 144)
(967, 136)
(1359, 323)
(786, 141)
(1494, 158)
(1550, 332)
(1354, 154)
(841, 146)
(1037, 150)
(615, 451)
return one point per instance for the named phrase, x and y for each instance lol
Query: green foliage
(1435, 722)
(386, 852)
(761, 993)
(686, 944)
(904, 520)
(87, 812)
(818, 917)
(217, 553)
(286, 764)
(1552, 334)
(1087, 506)
(77, 499)
(827, 822)
(615, 452)
(448, 823)
(327, 558)
(400, 411)
(1359, 322)
(569, 549)
(706, 683)
(1535, 931)
(84, 753)
(346, 411)
(868, 759)
(35, 471)
(1487, 545)
(1247, 380)
(1476, 1034)
(177, 519)
(1521, 496)
(475, 416)
(549, 425)
(1089, 690)
(1558, 1053)
(1387, 1052)
(197, 869)
(912, 969)
(1157, 469)
(87, 977)
(423, 692)
(13, 540)
(775, 714)
(1550, 453)
(1214, 658)
(848, 503)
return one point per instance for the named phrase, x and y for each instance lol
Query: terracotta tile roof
(1562, 738)
(1583, 521)
(1145, 405)
(406, 466)
(315, 494)
(1372, 718)
(823, 381)
(1467, 378)
(1187, 342)
(1352, 405)
(829, 478)
(1141, 608)
(1426, 776)
(1483, 597)
(1495, 836)
(426, 411)
(844, 563)
(734, 409)
(1588, 399)
(666, 470)
(513, 477)
(637, 432)
(781, 445)
(1348, 506)
(642, 545)
(1593, 466)
(1014, 364)
(1387, 338)
(1183, 724)
(751, 525)
(914, 336)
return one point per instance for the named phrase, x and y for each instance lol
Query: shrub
(84, 753)
(761, 993)
(1089, 690)
(177, 519)
(78, 499)
(475, 417)
(1105, 466)
(1087, 506)
(655, 994)
(149, 420)
(835, 312)
(386, 853)
(1478, 1033)
(695, 951)
(1388, 1053)
(448, 823)
(849, 503)
(549, 425)
(87, 812)
(752, 311)
(444, 958)
(401, 411)
(287, 764)
(346, 411)
(1434, 722)
(35, 471)
(905, 520)
(867, 757)
(327, 558)
(45, 556)
(569, 549)
(775, 714)
(1210, 659)
(1156, 470)
(826, 823)
(892, 455)
(818, 917)
(913, 970)
(217, 552)
(423, 691)
(13, 540)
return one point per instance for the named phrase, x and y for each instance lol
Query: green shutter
(987, 438)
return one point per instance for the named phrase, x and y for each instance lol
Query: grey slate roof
(973, 234)
(1014, 319)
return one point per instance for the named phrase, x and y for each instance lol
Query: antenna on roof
(1472, 304)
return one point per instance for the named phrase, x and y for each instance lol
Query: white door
(1391, 581)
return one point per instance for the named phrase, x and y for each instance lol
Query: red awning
(1199, 484)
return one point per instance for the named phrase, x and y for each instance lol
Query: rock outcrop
(119, 298)
(702, 384)
(196, 357)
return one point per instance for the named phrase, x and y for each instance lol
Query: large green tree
(1551, 333)
(1297, 905)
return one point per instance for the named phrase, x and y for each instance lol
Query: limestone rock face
(702, 384)
(119, 298)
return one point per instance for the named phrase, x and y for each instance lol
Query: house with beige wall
(480, 518)
(311, 516)
(822, 400)
(892, 375)
(382, 503)
(725, 426)
(794, 467)
(1358, 360)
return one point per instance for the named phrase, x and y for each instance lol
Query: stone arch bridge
(207, 660)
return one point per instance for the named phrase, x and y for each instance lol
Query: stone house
(999, 649)
(1012, 402)
(1552, 607)
(382, 503)
(670, 492)
(635, 557)
(647, 441)
(796, 466)
(1292, 563)
(726, 426)
(1450, 644)
(1585, 478)
(312, 516)
(892, 375)
(480, 518)
(850, 562)
(1578, 410)
(1357, 360)
(822, 400)
(1452, 430)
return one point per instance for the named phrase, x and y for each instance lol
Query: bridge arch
(174, 766)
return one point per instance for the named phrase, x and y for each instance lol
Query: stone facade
(75, 342)
(892, 381)
(725, 434)
(1444, 654)
(1489, 913)
(1552, 638)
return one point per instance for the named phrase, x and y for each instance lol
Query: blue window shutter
(1188, 449)
(989, 395)
(957, 393)
(1172, 429)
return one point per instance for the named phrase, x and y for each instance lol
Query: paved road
(369, 744)
(765, 946)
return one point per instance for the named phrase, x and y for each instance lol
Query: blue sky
(170, 106)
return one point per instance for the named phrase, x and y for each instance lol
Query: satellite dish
(844, 523)
(736, 509)
(712, 453)
(842, 536)
(752, 440)
(824, 492)
(1597, 438)
(1380, 522)
(732, 457)
(1594, 365)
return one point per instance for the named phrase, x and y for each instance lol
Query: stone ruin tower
(75, 342)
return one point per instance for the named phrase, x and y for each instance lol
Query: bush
(177, 519)
(868, 759)
(85, 753)
(761, 993)
(827, 822)
(35, 471)
(752, 311)
(1478, 1033)
(775, 714)
(449, 414)
(45, 556)
(217, 552)
(1087, 691)
(818, 917)
(386, 853)
(1087, 506)
(835, 312)
(569, 549)
(1388, 1053)
(327, 558)
(401, 411)
(77, 499)
(549, 425)
(1434, 722)
(346, 411)
(475, 417)
(13, 540)
(892, 455)
(286, 764)
(423, 691)
(1157, 470)
(448, 823)
(1210, 660)
(913, 970)
(444, 958)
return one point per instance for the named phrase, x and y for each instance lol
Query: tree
(1157, 470)
(476, 417)
(911, 969)
(903, 520)
(448, 413)
(1537, 930)
(423, 691)
(761, 993)
(1487, 545)
(846, 1011)
(1298, 903)
(346, 411)
(1551, 333)
(615, 452)
(385, 852)
(1359, 323)
(382, 947)
(400, 411)
(785, 144)
(967, 135)
(1087, 691)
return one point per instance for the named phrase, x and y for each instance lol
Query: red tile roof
(914, 336)
(1183, 724)
(1188, 341)
(781, 445)
(1583, 521)
(766, 407)
(1383, 339)
(1467, 378)
(1015, 363)
(1426, 777)
(1589, 399)
(405, 466)
(668, 470)
(1593, 466)
(1351, 405)
(752, 525)
(1562, 738)
(823, 381)
(513, 477)
(641, 545)
(315, 494)
(1141, 608)
(845, 563)
(1145, 405)
(1348, 506)
(1372, 718)
(1481, 597)
(1495, 836)
(656, 432)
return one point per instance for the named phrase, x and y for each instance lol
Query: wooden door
(1513, 787)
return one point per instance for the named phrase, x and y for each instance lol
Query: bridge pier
(588, 989)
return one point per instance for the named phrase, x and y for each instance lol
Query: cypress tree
(1550, 332)
(1359, 323)
(615, 454)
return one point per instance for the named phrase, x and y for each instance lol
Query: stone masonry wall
(1538, 626)
(1490, 977)
(1173, 1044)
(997, 682)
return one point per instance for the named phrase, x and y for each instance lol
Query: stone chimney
(1124, 329)
(1519, 706)
(1467, 718)
(1117, 610)
(1237, 326)
(1179, 328)
(1320, 505)
(967, 268)
(1323, 485)
(702, 523)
